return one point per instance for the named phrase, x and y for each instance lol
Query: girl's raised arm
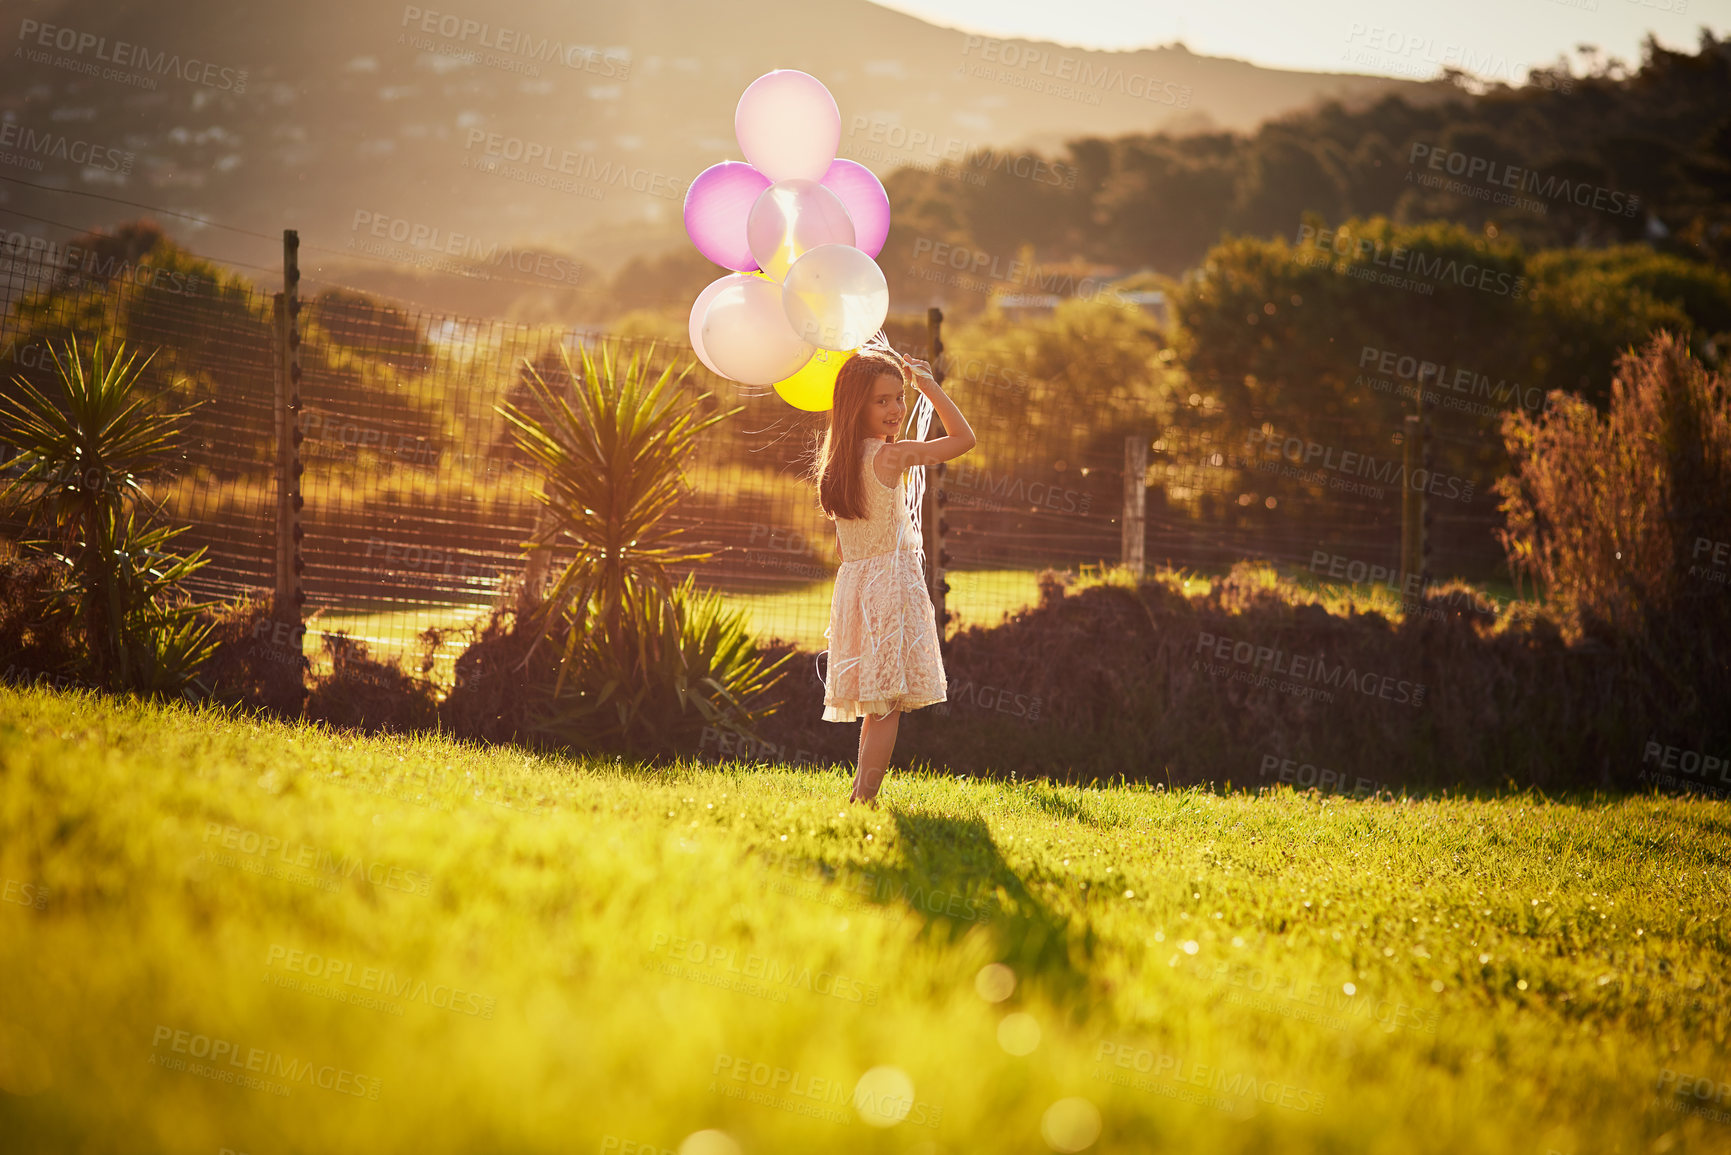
(958, 436)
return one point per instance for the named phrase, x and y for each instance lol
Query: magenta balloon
(716, 207)
(863, 195)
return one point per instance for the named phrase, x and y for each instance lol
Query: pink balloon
(863, 195)
(788, 125)
(746, 333)
(716, 207)
(699, 308)
(790, 217)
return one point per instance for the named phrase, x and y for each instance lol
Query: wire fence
(417, 501)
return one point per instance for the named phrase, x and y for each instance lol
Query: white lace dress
(883, 632)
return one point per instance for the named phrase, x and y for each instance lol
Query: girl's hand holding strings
(958, 438)
(922, 373)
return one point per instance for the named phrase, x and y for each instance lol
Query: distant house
(1025, 303)
(1151, 301)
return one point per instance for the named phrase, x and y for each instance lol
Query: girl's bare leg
(877, 743)
(864, 722)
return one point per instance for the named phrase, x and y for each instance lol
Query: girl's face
(885, 407)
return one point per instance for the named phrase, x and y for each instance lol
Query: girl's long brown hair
(837, 467)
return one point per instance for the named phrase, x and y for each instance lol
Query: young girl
(883, 632)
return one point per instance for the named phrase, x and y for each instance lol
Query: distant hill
(440, 139)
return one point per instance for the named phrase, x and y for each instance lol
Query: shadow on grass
(952, 875)
(1058, 806)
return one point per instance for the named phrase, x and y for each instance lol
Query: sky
(1493, 39)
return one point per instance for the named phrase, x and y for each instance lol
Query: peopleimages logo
(1043, 71)
(1717, 567)
(1435, 380)
(1315, 669)
(380, 981)
(1235, 1088)
(1395, 47)
(227, 1065)
(1352, 463)
(431, 242)
(899, 138)
(1308, 775)
(772, 972)
(584, 167)
(1435, 268)
(1014, 491)
(333, 866)
(1335, 1005)
(1337, 565)
(25, 147)
(445, 561)
(977, 269)
(1490, 172)
(127, 55)
(745, 747)
(1691, 762)
(865, 891)
(963, 692)
(823, 1098)
(24, 894)
(529, 46)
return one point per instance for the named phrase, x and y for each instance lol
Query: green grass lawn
(395, 633)
(271, 938)
(978, 597)
(798, 615)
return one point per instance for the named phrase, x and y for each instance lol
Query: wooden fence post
(1411, 507)
(932, 511)
(289, 600)
(1424, 509)
(1134, 549)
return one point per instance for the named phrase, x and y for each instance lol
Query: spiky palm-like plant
(612, 454)
(81, 459)
(613, 466)
(707, 672)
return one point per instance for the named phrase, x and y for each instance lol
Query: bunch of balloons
(800, 227)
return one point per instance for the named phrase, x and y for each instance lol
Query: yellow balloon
(813, 387)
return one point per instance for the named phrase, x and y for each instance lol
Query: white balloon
(746, 334)
(792, 217)
(835, 297)
(788, 125)
(699, 307)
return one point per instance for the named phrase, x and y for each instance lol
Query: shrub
(708, 673)
(84, 453)
(366, 693)
(256, 660)
(495, 676)
(1623, 519)
(35, 644)
(505, 682)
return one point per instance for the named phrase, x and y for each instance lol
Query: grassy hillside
(268, 938)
